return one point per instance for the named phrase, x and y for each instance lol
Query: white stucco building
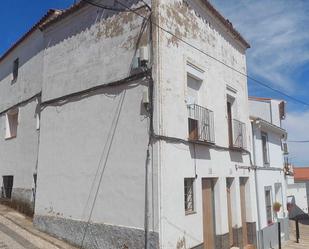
(20, 94)
(268, 156)
(143, 139)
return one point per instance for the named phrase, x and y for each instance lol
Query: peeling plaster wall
(193, 23)
(86, 49)
(30, 74)
(90, 47)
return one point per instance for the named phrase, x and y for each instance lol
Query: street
(304, 236)
(17, 232)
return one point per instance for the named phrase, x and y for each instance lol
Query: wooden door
(243, 211)
(229, 210)
(208, 214)
(193, 129)
(230, 125)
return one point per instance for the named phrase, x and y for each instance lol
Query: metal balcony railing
(239, 134)
(200, 123)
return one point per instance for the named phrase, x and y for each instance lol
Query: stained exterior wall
(30, 73)
(179, 160)
(18, 156)
(90, 48)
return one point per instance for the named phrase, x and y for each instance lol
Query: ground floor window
(268, 204)
(7, 186)
(189, 195)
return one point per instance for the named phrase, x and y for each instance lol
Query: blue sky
(17, 16)
(278, 32)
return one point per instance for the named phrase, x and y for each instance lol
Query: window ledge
(190, 212)
(9, 138)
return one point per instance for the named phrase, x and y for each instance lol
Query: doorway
(243, 182)
(229, 182)
(7, 186)
(208, 213)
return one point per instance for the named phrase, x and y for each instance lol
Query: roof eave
(36, 26)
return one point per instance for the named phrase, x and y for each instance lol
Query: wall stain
(181, 243)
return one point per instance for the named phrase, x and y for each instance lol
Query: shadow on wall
(296, 213)
(236, 156)
(199, 152)
(97, 15)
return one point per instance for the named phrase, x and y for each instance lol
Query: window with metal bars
(268, 204)
(189, 195)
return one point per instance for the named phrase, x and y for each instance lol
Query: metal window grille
(268, 207)
(189, 194)
(200, 123)
(239, 134)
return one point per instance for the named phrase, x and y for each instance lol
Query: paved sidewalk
(17, 232)
(304, 236)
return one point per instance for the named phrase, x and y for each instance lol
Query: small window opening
(11, 124)
(189, 194)
(7, 186)
(265, 148)
(15, 70)
(268, 207)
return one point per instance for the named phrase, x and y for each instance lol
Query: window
(189, 195)
(11, 123)
(265, 148)
(7, 186)
(268, 204)
(193, 129)
(193, 87)
(15, 70)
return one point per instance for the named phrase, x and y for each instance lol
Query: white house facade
(138, 138)
(21, 75)
(268, 157)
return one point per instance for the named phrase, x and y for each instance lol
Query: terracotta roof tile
(301, 173)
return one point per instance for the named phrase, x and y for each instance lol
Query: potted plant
(276, 207)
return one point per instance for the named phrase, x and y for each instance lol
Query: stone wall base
(21, 200)
(95, 235)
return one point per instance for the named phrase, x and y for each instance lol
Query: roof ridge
(46, 18)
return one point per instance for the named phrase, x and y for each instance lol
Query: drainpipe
(260, 235)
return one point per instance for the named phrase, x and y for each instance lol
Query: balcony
(239, 135)
(200, 124)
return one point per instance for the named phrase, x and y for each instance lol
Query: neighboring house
(298, 191)
(143, 139)
(268, 156)
(21, 79)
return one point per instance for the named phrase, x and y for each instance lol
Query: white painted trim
(195, 71)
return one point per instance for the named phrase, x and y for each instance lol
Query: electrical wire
(93, 3)
(216, 59)
(298, 141)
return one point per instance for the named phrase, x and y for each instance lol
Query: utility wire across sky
(259, 82)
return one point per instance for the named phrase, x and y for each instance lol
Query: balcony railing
(200, 123)
(239, 134)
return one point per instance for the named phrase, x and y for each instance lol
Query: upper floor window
(265, 148)
(11, 123)
(15, 70)
(193, 87)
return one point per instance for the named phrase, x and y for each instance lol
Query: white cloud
(297, 124)
(278, 34)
